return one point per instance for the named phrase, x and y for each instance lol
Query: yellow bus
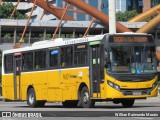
(117, 67)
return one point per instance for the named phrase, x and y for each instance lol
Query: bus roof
(55, 43)
(65, 41)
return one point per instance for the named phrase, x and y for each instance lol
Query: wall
(146, 5)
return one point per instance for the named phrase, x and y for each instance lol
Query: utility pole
(112, 16)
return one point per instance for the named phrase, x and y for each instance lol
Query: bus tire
(85, 98)
(70, 104)
(31, 98)
(128, 103)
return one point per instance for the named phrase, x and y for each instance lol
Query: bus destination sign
(130, 39)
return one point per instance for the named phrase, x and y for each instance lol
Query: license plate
(136, 93)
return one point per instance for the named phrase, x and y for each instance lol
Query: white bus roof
(64, 41)
(55, 43)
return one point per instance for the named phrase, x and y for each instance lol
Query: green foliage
(0, 65)
(127, 15)
(6, 11)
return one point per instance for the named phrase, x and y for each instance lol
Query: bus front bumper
(114, 91)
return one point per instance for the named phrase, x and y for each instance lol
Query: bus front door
(17, 75)
(95, 69)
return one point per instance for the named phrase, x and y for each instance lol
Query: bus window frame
(34, 67)
(32, 61)
(4, 64)
(48, 58)
(87, 50)
(72, 63)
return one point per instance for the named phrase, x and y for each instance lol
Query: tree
(6, 11)
(127, 15)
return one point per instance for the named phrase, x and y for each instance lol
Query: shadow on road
(96, 107)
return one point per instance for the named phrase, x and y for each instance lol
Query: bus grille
(136, 92)
(134, 78)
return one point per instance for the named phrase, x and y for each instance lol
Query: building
(102, 5)
(25, 7)
(141, 5)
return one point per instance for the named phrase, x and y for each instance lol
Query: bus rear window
(8, 63)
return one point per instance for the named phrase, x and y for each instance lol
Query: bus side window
(40, 60)
(62, 58)
(53, 58)
(27, 61)
(66, 56)
(8, 60)
(80, 54)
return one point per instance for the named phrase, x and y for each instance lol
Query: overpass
(11, 30)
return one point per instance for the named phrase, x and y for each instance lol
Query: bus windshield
(131, 60)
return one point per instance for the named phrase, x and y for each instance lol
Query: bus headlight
(154, 84)
(110, 84)
(115, 86)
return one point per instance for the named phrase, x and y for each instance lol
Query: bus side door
(96, 68)
(17, 75)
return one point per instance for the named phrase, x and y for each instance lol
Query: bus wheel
(70, 104)
(31, 98)
(85, 98)
(128, 103)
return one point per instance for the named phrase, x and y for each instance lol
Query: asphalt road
(142, 109)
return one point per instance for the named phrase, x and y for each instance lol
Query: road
(142, 109)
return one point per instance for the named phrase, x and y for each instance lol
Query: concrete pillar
(29, 39)
(59, 34)
(44, 34)
(86, 15)
(74, 32)
(102, 32)
(75, 14)
(15, 36)
(112, 16)
(146, 5)
(99, 4)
